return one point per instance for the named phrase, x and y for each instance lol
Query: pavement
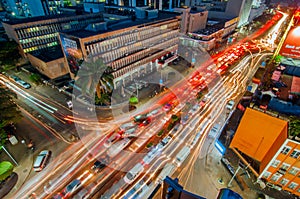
(24, 157)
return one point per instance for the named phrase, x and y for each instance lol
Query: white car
(23, 84)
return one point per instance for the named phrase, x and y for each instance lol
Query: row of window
(46, 45)
(295, 153)
(111, 44)
(285, 167)
(283, 182)
(125, 50)
(149, 59)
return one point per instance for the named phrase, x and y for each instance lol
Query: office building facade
(32, 8)
(283, 170)
(130, 51)
(42, 32)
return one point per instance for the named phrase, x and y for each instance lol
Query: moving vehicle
(113, 138)
(167, 170)
(155, 151)
(133, 173)
(214, 131)
(41, 160)
(145, 122)
(100, 164)
(117, 147)
(230, 105)
(167, 107)
(182, 155)
(71, 188)
(74, 186)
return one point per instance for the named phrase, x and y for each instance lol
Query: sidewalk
(24, 158)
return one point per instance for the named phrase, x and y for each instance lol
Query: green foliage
(277, 58)
(133, 100)
(160, 133)
(150, 144)
(92, 77)
(199, 95)
(9, 111)
(174, 118)
(294, 126)
(6, 169)
(36, 78)
(103, 100)
(9, 53)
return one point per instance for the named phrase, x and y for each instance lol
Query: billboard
(291, 45)
(72, 51)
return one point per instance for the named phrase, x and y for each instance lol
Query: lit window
(284, 181)
(285, 166)
(295, 154)
(294, 170)
(275, 163)
(285, 150)
(292, 185)
(275, 177)
(266, 174)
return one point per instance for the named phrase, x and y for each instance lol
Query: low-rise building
(263, 140)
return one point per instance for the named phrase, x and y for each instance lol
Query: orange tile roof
(257, 133)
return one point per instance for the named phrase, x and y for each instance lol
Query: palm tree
(93, 75)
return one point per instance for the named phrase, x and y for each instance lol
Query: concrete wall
(197, 21)
(52, 69)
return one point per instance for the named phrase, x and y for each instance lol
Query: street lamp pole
(235, 173)
(9, 155)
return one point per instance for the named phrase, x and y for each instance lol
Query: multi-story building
(130, 48)
(192, 20)
(42, 32)
(283, 169)
(32, 8)
(245, 10)
(214, 34)
(275, 157)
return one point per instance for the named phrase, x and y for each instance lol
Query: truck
(182, 155)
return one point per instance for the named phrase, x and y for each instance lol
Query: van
(41, 160)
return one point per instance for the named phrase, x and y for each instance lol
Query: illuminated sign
(291, 45)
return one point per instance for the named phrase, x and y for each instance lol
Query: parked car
(23, 84)
(41, 160)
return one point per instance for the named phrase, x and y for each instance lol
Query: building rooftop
(208, 30)
(40, 18)
(257, 133)
(49, 54)
(123, 23)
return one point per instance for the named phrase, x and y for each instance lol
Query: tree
(9, 111)
(6, 169)
(93, 76)
(294, 126)
(133, 100)
(9, 53)
(36, 78)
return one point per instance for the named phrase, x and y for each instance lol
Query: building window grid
(275, 163)
(292, 185)
(295, 154)
(294, 170)
(285, 166)
(275, 177)
(266, 174)
(283, 181)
